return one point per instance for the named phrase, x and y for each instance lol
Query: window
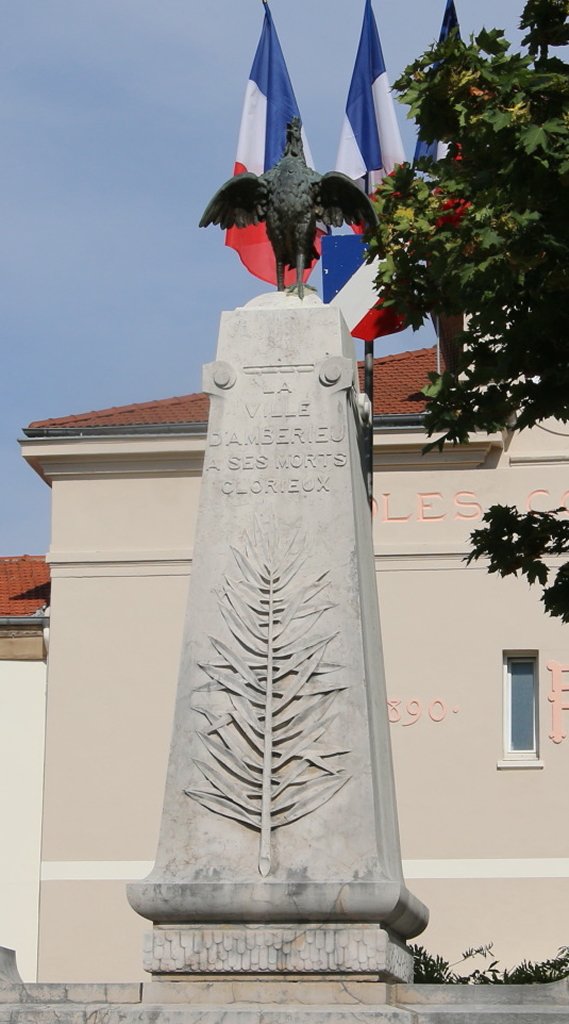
(520, 711)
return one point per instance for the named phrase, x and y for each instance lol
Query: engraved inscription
(255, 436)
(292, 368)
(286, 485)
(278, 460)
(268, 762)
(278, 447)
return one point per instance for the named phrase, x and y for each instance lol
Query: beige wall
(499, 833)
(485, 842)
(117, 638)
(524, 918)
(111, 686)
(486, 846)
(22, 725)
(89, 932)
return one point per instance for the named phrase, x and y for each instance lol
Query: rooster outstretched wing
(338, 199)
(240, 202)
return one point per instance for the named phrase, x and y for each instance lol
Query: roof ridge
(149, 403)
(22, 558)
(394, 356)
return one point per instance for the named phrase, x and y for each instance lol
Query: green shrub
(435, 970)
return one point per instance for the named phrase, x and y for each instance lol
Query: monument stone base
(290, 950)
(312, 1000)
(283, 1002)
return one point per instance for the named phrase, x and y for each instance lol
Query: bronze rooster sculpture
(291, 199)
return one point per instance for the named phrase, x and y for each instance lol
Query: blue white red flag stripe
(348, 283)
(270, 104)
(370, 141)
(438, 150)
(370, 147)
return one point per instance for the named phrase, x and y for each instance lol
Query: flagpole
(368, 388)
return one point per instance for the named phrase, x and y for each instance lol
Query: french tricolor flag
(370, 141)
(438, 150)
(270, 104)
(370, 147)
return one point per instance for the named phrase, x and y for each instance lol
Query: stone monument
(279, 850)
(277, 895)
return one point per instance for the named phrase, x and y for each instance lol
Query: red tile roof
(184, 409)
(398, 380)
(24, 584)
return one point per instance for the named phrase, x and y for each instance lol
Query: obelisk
(279, 849)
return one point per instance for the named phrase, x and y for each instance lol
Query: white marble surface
(321, 950)
(281, 807)
(306, 1002)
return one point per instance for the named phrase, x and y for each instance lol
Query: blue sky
(118, 121)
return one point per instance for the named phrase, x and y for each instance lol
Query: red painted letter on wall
(555, 698)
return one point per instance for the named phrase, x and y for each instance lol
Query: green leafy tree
(485, 233)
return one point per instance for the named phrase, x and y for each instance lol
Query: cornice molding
(82, 457)
(149, 455)
(469, 456)
(70, 564)
(539, 459)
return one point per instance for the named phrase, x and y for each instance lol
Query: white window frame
(519, 758)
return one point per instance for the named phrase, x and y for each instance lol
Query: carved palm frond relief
(268, 762)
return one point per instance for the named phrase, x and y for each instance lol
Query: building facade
(24, 619)
(478, 675)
